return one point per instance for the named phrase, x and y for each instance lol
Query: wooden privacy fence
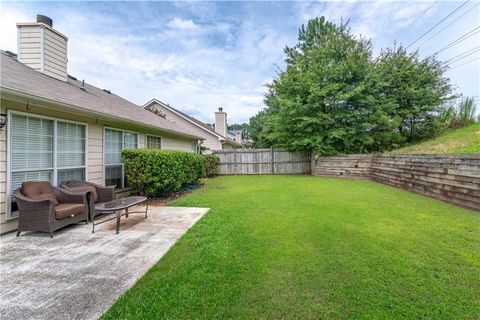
(263, 161)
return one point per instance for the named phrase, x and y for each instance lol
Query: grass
(298, 247)
(463, 140)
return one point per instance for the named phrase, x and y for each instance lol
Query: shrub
(211, 165)
(156, 173)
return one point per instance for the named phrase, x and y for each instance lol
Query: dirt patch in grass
(177, 195)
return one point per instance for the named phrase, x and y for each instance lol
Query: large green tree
(333, 97)
(414, 89)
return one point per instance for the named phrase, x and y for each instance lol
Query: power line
(460, 65)
(428, 31)
(421, 16)
(460, 39)
(462, 55)
(448, 25)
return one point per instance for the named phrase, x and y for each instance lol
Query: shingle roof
(21, 78)
(200, 123)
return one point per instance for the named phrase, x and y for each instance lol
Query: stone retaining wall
(450, 178)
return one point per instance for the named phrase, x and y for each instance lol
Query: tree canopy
(334, 97)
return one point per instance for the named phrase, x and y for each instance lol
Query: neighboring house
(58, 128)
(236, 135)
(214, 139)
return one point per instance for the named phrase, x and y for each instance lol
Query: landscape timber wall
(451, 178)
(263, 161)
(344, 166)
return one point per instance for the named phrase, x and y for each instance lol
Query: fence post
(313, 162)
(273, 159)
(235, 161)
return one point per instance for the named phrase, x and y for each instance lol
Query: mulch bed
(179, 194)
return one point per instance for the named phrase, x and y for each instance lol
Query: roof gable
(190, 119)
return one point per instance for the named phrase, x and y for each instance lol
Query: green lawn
(299, 247)
(463, 140)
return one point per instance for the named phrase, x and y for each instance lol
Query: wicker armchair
(96, 194)
(42, 207)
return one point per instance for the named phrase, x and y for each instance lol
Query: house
(55, 127)
(213, 139)
(237, 135)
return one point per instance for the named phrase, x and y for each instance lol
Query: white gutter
(75, 109)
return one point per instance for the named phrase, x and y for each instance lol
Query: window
(70, 151)
(154, 142)
(44, 149)
(194, 147)
(115, 142)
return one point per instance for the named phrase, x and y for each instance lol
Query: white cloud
(8, 20)
(181, 24)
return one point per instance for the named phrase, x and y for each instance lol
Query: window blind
(70, 145)
(154, 142)
(113, 146)
(32, 143)
(130, 140)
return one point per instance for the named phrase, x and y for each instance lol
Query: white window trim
(105, 128)
(54, 169)
(155, 136)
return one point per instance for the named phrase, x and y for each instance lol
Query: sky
(198, 56)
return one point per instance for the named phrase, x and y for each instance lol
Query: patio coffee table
(116, 206)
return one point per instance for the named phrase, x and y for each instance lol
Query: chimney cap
(44, 19)
(220, 109)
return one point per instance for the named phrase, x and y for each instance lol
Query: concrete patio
(77, 274)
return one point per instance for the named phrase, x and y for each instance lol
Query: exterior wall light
(3, 120)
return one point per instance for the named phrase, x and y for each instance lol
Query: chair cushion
(86, 188)
(65, 210)
(39, 190)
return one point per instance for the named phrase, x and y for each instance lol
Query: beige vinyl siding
(55, 55)
(211, 141)
(5, 225)
(95, 153)
(29, 51)
(221, 123)
(43, 50)
(176, 144)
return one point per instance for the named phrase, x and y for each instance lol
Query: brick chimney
(221, 122)
(43, 48)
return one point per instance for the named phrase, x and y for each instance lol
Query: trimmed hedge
(211, 165)
(157, 173)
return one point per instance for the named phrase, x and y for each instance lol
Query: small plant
(466, 111)
(458, 117)
(211, 165)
